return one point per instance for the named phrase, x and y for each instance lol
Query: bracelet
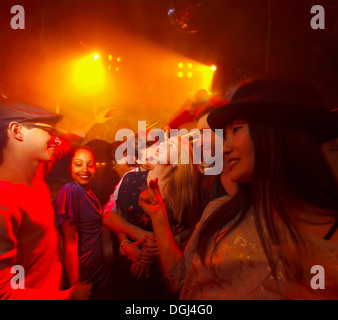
(120, 248)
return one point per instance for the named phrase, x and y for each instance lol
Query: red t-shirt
(28, 237)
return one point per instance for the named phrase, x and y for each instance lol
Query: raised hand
(151, 200)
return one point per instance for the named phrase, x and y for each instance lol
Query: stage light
(171, 11)
(118, 59)
(180, 74)
(189, 65)
(88, 75)
(213, 68)
(110, 57)
(180, 65)
(189, 74)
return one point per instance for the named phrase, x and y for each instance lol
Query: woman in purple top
(79, 217)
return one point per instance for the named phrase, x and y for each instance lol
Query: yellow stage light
(201, 77)
(88, 75)
(180, 74)
(193, 75)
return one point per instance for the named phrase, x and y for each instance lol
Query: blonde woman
(139, 273)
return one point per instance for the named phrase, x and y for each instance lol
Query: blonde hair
(181, 187)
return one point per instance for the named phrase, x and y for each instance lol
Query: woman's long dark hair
(291, 174)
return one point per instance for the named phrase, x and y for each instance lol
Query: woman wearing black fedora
(277, 237)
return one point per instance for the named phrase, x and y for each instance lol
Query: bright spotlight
(213, 68)
(88, 75)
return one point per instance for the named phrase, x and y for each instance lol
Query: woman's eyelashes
(236, 128)
(89, 165)
(233, 130)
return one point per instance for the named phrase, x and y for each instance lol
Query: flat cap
(13, 111)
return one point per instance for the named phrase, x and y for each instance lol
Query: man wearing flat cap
(29, 238)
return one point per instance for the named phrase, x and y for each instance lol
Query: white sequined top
(239, 266)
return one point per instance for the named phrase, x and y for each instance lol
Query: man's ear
(15, 130)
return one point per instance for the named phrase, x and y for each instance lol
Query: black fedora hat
(20, 112)
(281, 102)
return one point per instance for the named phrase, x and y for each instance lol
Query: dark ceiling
(243, 38)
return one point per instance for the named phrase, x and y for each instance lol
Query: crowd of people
(161, 229)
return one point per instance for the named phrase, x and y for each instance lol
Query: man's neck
(18, 171)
